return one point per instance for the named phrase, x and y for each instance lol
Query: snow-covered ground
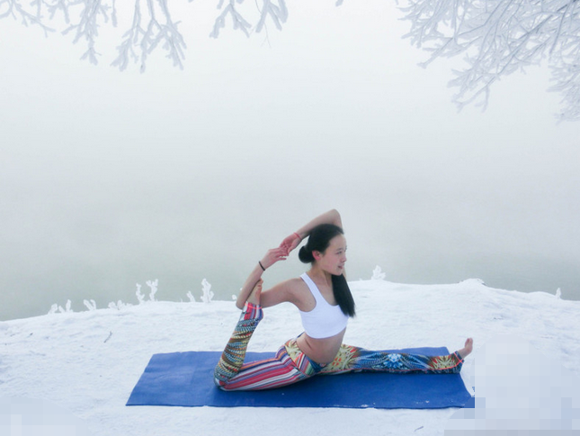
(87, 363)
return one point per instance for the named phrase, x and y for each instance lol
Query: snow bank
(88, 362)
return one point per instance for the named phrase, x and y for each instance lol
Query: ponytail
(342, 295)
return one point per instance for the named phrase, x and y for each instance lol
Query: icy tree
(151, 26)
(499, 37)
(496, 37)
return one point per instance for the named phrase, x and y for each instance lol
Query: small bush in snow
(140, 296)
(378, 274)
(91, 305)
(67, 308)
(118, 305)
(153, 286)
(207, 293)
(53, 309)
(56, 308)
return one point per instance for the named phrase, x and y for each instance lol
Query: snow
(85, 364)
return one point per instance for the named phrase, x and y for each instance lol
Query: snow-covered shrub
(91, 305)
(153, 286)
(118, 305)
(67, 308)
(378, 274)
(190, 296)
(140, 296)
(53, 309)
(207, 293)
(56, 308)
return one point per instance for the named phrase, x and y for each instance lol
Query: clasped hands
(281, 253)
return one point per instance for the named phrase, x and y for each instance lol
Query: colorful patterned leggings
(290, 365)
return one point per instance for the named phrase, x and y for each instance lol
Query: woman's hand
(255, 278)
(290, 242)
(274, 255)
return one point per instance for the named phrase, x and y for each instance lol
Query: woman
(325, 303)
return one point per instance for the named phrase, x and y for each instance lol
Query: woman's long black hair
(319, 240)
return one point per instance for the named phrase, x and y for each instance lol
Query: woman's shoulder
(297, 290)
(294, 288)
(293, 284)
(288, 287)
(286, 291)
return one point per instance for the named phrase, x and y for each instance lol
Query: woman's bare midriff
(321, 351)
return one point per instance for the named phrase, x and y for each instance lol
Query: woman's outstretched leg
(231, 373)
(232, 358)
(234, 354)
(351, 358)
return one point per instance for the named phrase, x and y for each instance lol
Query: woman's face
(334, 257)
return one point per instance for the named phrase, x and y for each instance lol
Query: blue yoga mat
(186, 379)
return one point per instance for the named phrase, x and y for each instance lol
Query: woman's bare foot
(254, 297)
(466, 351)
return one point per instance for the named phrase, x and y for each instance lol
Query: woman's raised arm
(272, 256)
(281, 253)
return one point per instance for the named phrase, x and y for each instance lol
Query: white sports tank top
(324, 320)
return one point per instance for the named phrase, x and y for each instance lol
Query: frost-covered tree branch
(14, 9)
(499, 37)
(87, 27)
(151, 28)
(143, 38)
(238, 20)
(277, 13)
(496, 37)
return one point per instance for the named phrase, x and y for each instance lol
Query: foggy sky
(109, 179)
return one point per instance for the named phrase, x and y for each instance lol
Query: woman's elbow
(336, 217)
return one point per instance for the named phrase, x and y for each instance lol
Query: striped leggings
(290, 365)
